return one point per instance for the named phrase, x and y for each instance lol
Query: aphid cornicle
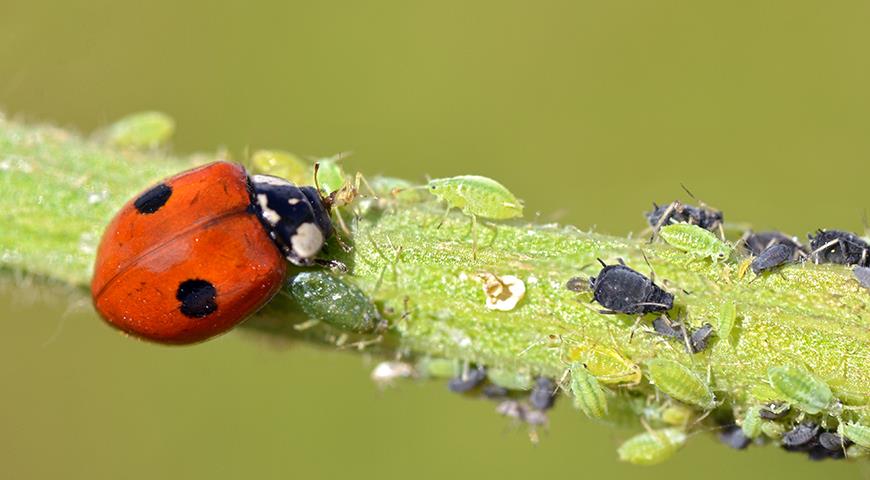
(801, 388)
(680, 383)
(834, 246)
(772, 257)
(696, 241)
(194, 255)
(652, 447)
(476, 196)
(620, 289)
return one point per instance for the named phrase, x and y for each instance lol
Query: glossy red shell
(205, 230)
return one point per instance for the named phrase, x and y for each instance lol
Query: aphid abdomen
(680, 383)
(856, 432)
(801, 388)
(589, 397)
(696, 241)
(772, 257)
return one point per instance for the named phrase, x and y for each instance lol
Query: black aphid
(494, 392)
(834, 246)
(620, 289)
(665, 328)
(833, 441)
(774, 411)
(543, 394)
(467, 381)
(755, 243)
(862, 274)
(734, 437)
(699, 338)
(800, 435)
(676, 212)
(772, 257)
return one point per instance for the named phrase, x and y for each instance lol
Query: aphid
(503, 292)
(608, 366)
(330, 175)
(652, 447)
(620, 289)
(385, 373)
(862, 274)
(589, 397)
(833, 441)
(476, 196)
(439, 367)
(755, 243)
(774, 411)
(696, 241)
(834, 246)
(676, 415)
(577, 284)
(510, 379)
(664, 327)
(141, 130)
(801, 388)
(194, 255)
(281, 164)
(857, 451)
(734, 437)
(800, 435)
(700, 337)
(727, 319)
(680, 383)
(543, 394)
(676, 212)
(857, 433)
(468, 380)
(752, 422)
(697, 340)
(772, 257)
(772, 430)
(494, 392)
(522, 412)
(326, 297)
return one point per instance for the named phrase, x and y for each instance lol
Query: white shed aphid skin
(476, 196)
(652, 447)
(502, 292)
(386, 373)
(680, 383)
(696, 241)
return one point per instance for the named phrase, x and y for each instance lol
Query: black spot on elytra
(197, 298)
(153, 199)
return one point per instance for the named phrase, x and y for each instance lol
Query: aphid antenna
(652, 273)
(673, 206)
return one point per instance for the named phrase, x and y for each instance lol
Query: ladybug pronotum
(196, 254)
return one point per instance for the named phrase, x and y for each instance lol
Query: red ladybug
(193, 256)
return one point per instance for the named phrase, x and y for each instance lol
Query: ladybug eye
(197, 298)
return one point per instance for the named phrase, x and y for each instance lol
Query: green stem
(59, 190)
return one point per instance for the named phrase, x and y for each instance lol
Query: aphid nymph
(620, 289)
(696, 241)
(476, 196)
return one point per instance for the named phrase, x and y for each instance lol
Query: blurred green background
(587, 110)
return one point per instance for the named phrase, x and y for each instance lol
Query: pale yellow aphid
(608, 366)
(141, 130)
(680, 383)
(696, 241)
(476, 196)
(652, 447)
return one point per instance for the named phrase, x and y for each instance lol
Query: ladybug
(196, 254)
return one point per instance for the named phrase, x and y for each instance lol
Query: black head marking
(197, 298)
(151, 201)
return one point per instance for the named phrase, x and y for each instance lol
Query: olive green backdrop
(587, 110)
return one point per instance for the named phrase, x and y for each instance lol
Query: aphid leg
(652, 273)
(446, 212)
(815, 253)
(634, 328)
(474, 236)
(664, 218)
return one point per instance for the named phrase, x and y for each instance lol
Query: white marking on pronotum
(270, 215)
(293, 201)
(307, 241)
(270, 180)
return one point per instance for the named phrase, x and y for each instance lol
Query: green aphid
(397, 188)
(772, 430)
(676, 415)
(330, 175)
(144, 130)
(476, 196)
(727, 319)
(680, 383)
(801, 388)
(439, 367)
(652, 447)
(589, 397)
(752, 422)
(281, 164)
(326, 297)
(510, 379)
(696, 241)
(857, 451)
(857, 433)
